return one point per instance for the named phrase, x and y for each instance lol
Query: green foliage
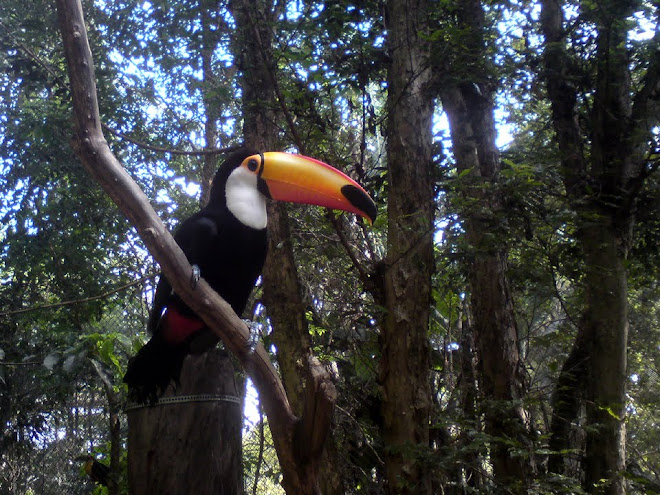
(67, 256)
(260, 464)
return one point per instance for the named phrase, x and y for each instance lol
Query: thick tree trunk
(602, 190)
(286, 310)
(606, 330)
(502, 379)
(594, 373)
(605, 235)
(175, 448)
(567, 400)
(282, 295)
(404, 367)
(468, 102)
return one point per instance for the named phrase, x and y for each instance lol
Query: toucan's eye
(253, 165)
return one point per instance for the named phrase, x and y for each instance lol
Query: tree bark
(404, 367)
(297, 459)
(567, 400)
(152, 451)
(301, 372)
(468, 102)
(175, 448)
(606, 329)
(286, 309)
(602, 190)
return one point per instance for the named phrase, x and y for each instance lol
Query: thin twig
(79, 301)
(364, 276)
(159, 149)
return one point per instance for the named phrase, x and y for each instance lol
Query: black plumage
(230, 256)
(97, 471)
(226, 240)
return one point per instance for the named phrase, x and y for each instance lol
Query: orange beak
(300, 179)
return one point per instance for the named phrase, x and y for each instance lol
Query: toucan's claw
(195, 276)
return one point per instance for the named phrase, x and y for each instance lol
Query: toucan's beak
(300, 179)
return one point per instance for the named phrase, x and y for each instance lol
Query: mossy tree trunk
(603, 162)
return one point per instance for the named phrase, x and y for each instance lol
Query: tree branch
(320, 398)
(645, 115)
(62, 83)
(563, 97)
(95, 154)
(79, 301)
(160, 149)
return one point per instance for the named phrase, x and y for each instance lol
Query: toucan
(226, 244)
(97, 471)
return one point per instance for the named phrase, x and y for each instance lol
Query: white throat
(244, 201)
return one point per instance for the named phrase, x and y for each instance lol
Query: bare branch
(320, 398)
(80, 301)
(159, 149)
(94, 152)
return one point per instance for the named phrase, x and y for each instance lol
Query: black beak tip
(360, 200)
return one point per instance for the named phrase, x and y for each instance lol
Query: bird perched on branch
(97, 471)
(226, 244)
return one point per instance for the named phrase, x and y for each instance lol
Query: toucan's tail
(155, 365)
(160, 360)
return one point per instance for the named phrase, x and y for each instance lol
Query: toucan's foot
(195, 276)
